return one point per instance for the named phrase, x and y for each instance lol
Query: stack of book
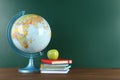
(60, 66)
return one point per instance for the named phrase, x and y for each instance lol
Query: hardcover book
(58, 61)
(55, 71)
(43, 64)
(55, 68)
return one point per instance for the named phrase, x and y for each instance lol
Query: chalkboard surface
(86, 31)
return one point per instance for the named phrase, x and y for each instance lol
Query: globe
(31, 33)
(28, 35)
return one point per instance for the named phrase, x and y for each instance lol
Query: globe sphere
(31, 33)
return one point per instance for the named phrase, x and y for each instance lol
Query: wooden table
(74, 74)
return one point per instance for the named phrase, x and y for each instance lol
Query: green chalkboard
(86, 31)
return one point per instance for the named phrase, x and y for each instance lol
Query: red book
(58, 61)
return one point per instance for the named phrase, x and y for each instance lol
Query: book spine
(55, 72)
(57, 62)
(62, 62)
(62, 65)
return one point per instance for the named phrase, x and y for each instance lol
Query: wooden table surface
(74, 74)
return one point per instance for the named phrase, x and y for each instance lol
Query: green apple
(53, 54)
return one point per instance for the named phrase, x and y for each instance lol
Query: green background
(86, 31)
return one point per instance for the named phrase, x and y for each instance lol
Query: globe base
(29, 68)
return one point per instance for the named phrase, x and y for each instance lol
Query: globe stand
(30, 68)
(42, 31)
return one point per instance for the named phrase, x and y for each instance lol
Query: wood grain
(74, 74)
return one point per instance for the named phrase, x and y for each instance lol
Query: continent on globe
(31, 33)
